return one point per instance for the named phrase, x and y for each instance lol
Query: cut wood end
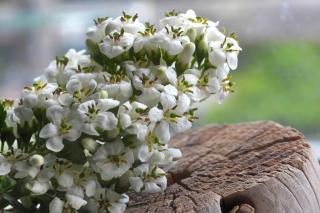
(247, 167)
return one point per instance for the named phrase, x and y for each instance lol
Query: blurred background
(279, 73)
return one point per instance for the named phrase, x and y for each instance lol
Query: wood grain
(259, 167)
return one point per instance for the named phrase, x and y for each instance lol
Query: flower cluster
(94, 127)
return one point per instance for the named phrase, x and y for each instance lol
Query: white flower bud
(186, 55)
(89, 144)
(36, 160)
(192, 34)
(114, 132)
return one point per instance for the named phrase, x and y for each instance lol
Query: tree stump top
(240, 168)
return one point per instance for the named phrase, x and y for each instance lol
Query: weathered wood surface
(257, 167)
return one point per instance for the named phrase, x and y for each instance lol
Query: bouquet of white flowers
(94, 127)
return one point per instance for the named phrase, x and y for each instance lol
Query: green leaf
(6, 184)
(7, 135)
(73, 151)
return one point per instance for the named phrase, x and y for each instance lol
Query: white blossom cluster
(96, 126)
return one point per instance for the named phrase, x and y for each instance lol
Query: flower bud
(36, 160)
(202, 49)
(103, 94)
(89, 144)
(185, 57)
(113, 133)
(192, 34)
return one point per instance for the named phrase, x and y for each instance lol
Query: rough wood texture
(259, 167)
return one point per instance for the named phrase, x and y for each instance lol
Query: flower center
(117, 159)
(64, 128)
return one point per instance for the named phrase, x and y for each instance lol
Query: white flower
(129, 113)
(224, 51)
(140, 129)
(39, 93)
(116, 43)
(97, 32)
(168, 97)
(80, 86)
(166, 157)
(41, 183)
(172, 41)
(60, 72)
(113, 156)
(120, 105)
(107, 200)
(130, 24)
(148, 179)
(59, 129)
(24, 169)
(5, 166)
(95, 115)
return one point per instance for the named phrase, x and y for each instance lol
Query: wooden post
(259, 167)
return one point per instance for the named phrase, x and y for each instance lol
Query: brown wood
(259, 167)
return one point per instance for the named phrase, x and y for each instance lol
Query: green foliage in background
(276, 81)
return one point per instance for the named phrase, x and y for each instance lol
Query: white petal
(38, 187)
(167, 101)
(150, 96)
(142, 169)
(73, 85)
(183, 104)
(90, 188)
(56, 205)
(144, 153)
(213, 34)
(163, 132)
(181, 124)
(73, 134)
(65, 179)
(232, 59)
(174, 153)
(217, 57)
(5, 166)
(49, 130)
(114, 148)
(65, 99)
(214, 85)
(90, 129)
(136, 183)
(125, 120)
(170, 90)
(55, 144)
(55, 114)
(107, 120)
(155, 114)
(110, 50)
(162, 181)
(223, 71)
(106, 104)
(174, 47)
(75, 196)
(151, 187)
